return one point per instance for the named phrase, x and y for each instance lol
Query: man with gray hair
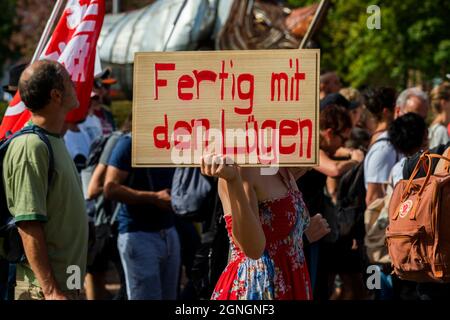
(412, 100)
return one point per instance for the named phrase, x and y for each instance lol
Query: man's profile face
(334, 83)
(70, 99)
(331, 83)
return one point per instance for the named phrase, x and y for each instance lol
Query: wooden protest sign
(258, 107)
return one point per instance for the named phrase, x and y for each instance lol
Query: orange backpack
(418, 235)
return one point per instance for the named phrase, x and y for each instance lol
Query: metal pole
(48, 28)
(321, 9)
(174, 24)
(116, 6)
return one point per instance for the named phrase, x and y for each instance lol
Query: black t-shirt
(312, 186)
(141, 217)
(411, 162)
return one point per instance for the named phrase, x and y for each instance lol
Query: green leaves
(7, 9)
(414, 37)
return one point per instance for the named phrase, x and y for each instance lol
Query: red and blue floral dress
(281, 273)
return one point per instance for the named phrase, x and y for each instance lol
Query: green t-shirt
(60, 205)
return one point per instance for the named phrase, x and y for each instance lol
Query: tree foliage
(412, 46)
(7, 8)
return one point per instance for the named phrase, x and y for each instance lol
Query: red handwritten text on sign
(259, 107)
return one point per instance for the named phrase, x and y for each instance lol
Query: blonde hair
(440, 92)
(351, 94)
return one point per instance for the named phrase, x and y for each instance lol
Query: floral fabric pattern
(281, 272)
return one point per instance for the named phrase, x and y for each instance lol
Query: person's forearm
(371, 198)
(95, 187)
(35, 247)
(374, 191)
(246, 227)
(124, 194)
(334, 169)
(94, 191)
(332, 188)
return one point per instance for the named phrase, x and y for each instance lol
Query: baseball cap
(338, 99)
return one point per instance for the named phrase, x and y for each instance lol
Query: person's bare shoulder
(443, 164)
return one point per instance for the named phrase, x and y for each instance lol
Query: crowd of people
(298, 234)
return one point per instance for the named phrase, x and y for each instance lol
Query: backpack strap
(397, 158)
(41, 134)
(115, 213)
(379, 140)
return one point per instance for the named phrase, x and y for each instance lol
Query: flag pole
(314, 24)
(48, 28)
(174, 24)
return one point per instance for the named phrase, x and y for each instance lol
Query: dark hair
(378, 99)
(359, 139)
(35, 91)
(406, 133)
(325, 71)
(335, 118)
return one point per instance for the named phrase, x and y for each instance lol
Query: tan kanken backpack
(418, 235)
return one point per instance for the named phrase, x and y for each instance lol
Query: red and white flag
(73, 44)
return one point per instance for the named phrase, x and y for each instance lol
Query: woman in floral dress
(266, 218)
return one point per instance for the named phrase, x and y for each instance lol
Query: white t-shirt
(80, 142)
(379, 161)
(76, 143)
(437, 134)
(397, 172)
(91, 128)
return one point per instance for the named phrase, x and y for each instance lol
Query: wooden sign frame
(172, 94)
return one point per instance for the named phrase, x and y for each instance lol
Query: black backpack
(99, 209)
(211, 257)
(103, 212)
(411, 162)
(95, 152)
(351, 198)
(11, 247)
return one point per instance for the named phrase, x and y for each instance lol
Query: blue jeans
(151, 263)
(387, 291)
(7, 280)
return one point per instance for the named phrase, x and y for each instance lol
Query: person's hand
(354, 245)
(163, 199)
(357, 155)
(343, 152)
(55, 295)
(318, 228)
(219, 166)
